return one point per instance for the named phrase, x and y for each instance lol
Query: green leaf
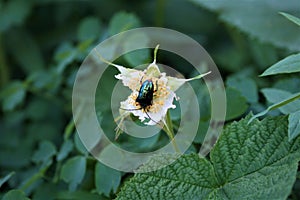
(13, 95)
(290, 64)
(246, 86)
(276, 105)
(44, 153)
(78, 195)
(247, 162)
(292, 18)
(236, 104)
(19, 41)
(140, 56)
(276, 95)
(79, 145)
(294, 125)
(65, 149)
(259, 19)
(65, 54)
(43, 191)
(6, 178)
(190, 177)
(89, 28)
(122, 21)
(73, 171)
(48, 80)
(106, 179)
(290, 84)
(15, 195)
(13, 13)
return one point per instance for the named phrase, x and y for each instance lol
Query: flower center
(160, 94)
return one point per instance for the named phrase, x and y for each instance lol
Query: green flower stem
(168, 128)
(4, 69)
(160, 10)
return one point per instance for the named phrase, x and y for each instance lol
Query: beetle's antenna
(151, 118)
(145, 112)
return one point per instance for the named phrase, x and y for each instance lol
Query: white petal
(175, 83)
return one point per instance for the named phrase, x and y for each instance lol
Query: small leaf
(64, 151)
(290, 64)
(247, 162)
(294, 125)
(79, 145)
(78, 195)
(276, 105)
(236, 104)
(122, 21)
(45, 79)
(6, 178)
(13, 95)
(246, 86)
(64, 55)
(106, 179)
(276, 95)
(89, 28)
(290, 84)
(44, 153)
(13, 13)
(292, 18)
(15, 195)
(31, 59)
(73, 171)
(140, 56)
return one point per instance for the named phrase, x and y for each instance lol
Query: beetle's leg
(141, 81)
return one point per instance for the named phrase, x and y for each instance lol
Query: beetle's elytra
(145, 96)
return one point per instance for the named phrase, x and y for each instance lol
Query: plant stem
(168, 128)
(160, 10)
(4, 72)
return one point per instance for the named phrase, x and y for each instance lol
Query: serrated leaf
(236, 104)
(259, 19)
(106, 179)
(13, 95)
(6, 178)
(294, 125)
(44, 153)
(247, 162)
(73, 171)
(189, 177)
(122, 21)
(290, 64)
(292, 18)
(15, 195)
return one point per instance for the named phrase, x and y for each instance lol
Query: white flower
(163, 95)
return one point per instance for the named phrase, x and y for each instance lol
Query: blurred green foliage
(43, 43)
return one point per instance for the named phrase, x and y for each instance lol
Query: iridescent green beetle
(145, 96)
